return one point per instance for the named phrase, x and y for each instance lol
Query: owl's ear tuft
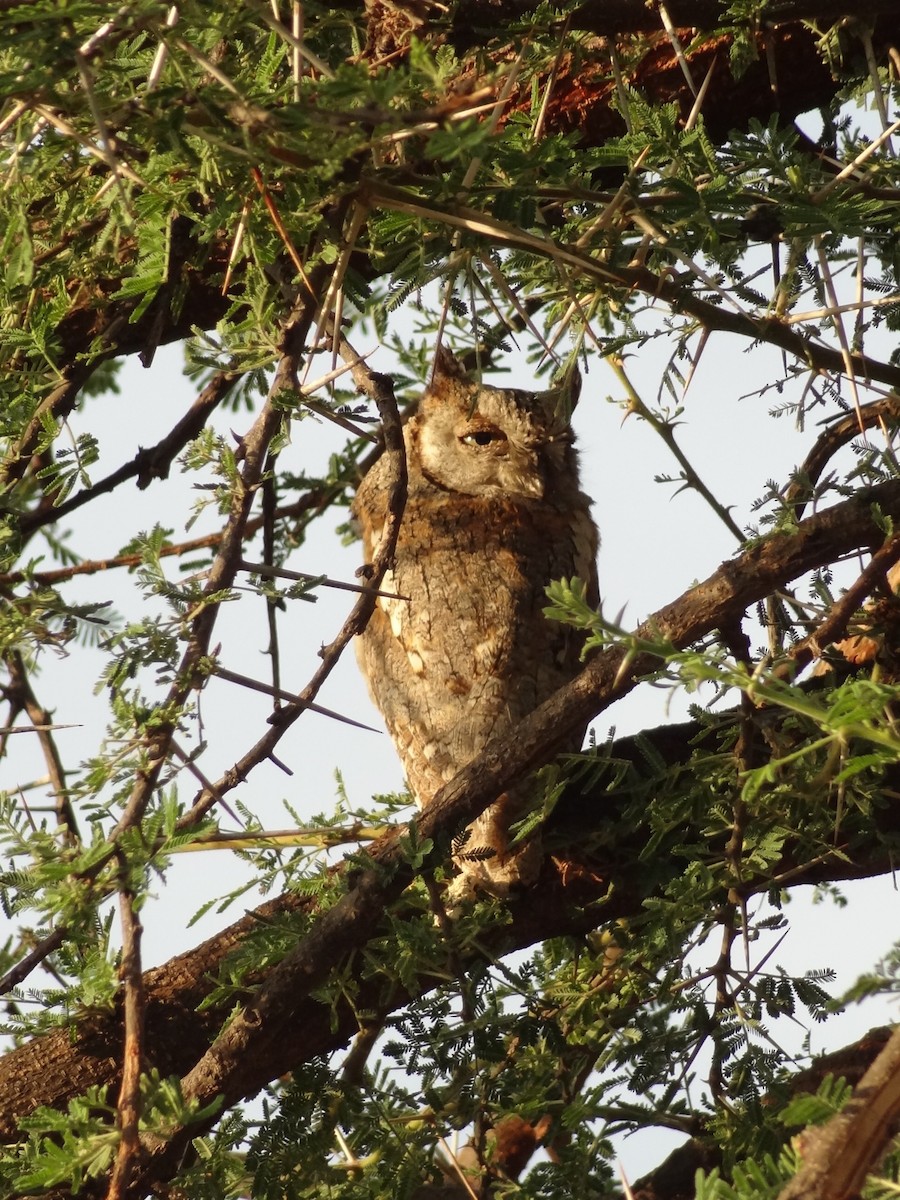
(573, 382)
(563, 395)
(447, 365)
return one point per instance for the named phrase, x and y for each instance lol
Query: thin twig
(312, 501)
(356, 219)
(148, 464)
(269, 506)
(23, 968)
(9, 731)
(739, 644)
(636, 405)
(21, 692)
(837, 434)
(354, 1064)
(621, 90)
(278, 693)
(58, 403)
(270, 572)
(834, 625)
(380, 389)
(817, 314)
(128, 1107)
(119, 21)
(236, 243)
(296, 56)
(864, 34)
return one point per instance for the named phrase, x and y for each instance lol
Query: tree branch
(681, 299)
(839, 1155)
(153, 463)
(291, 1026)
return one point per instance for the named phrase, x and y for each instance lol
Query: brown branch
(270, 572)
(21, 693)
(254, 452)
(838, 1156)
(50, 1069)
(380, 388)
(834, 626)
(269, 507)
(23, 968)
(746, 754)
(128, 1108)
(837, 434)
(221, 576)
(680, 299)
(57, 405)
(313, 500)
(153, 463)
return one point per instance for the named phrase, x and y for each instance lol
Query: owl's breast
(461, 650)
(470, 577)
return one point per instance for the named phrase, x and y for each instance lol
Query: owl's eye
(484, 437)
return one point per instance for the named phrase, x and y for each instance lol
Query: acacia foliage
(263, 181)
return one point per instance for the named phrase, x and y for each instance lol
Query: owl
(494, 512)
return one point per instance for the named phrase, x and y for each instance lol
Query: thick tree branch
(98, 326)
(610, 17)
(51, 1069)
(838, 1157)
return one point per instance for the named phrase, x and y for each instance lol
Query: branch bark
(98, 326)
(282, 1026)
(838, 1156)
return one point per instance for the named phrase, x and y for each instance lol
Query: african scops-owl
(494, 512)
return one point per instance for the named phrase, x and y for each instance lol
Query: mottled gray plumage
(494, 513)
